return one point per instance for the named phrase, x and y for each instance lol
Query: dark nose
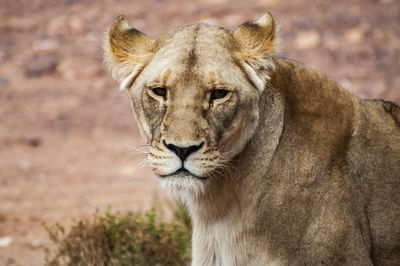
(183, 152)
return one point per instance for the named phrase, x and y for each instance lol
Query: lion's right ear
(126, 51)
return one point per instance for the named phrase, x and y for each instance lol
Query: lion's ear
(257, 39)
(126, 51)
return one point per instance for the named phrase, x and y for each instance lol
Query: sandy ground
(67, 137)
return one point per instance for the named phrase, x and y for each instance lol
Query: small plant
(113, 238)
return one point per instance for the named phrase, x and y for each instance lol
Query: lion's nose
(183, 152)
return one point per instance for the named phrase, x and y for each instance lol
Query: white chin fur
(183, 187)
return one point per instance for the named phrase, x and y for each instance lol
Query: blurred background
(67, 136)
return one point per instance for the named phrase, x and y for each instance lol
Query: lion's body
(314, 172)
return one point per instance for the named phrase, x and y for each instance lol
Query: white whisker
(142, 162)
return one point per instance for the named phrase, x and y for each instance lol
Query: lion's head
(194, 93)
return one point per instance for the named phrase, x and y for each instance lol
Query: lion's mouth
(183, 172)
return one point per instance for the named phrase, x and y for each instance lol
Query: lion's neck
(216, 223)
(221, 197)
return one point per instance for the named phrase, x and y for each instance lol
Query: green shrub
(123, 239)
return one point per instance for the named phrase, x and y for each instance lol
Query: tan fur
(289, 168)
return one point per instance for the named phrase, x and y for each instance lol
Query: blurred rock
(331, 41)
(269, 2)
(80, 68)
(33, 141)
(215, 1)
(128, 170)
(63, 25)
(40, 65)
(34, 242)
(307, 40)
(24, 165)
(3, 217)
(45, 45)
(57, 26)
(355, 35)
(69, 1)
(5, 241)
(11, 261)
(76, 24)
(2, 55)
(20, 24)
(3, 82)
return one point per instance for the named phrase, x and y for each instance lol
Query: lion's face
(195, 101)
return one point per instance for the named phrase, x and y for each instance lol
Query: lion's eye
(160, 91)
(218, 94)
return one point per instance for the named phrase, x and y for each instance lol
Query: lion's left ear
(256, 40)
(126, 51)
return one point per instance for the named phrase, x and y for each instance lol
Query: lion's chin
(183, 173)
(183, 184)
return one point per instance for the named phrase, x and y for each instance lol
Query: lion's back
(376, 158)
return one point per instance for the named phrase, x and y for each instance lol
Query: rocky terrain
(68, 141)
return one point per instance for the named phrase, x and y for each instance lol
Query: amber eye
(160, 91)
(218, 94)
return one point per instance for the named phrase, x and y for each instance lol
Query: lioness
(278, 164)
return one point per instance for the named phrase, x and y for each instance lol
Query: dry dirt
(67, 136)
